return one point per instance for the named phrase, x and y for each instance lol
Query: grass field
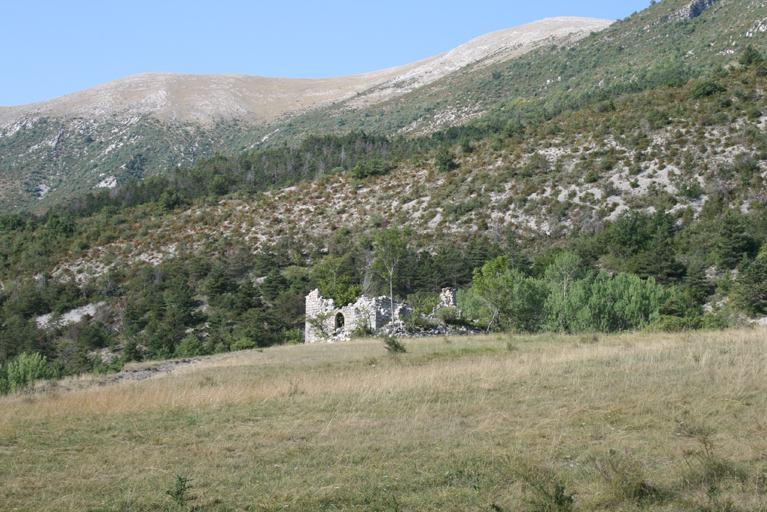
(629, 422)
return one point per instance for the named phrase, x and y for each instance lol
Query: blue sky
(51, 48)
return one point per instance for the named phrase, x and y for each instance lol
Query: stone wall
(447, 298)
(328, 323)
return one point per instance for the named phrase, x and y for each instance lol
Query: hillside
(635, 206)
(527, 74)
(150, 123)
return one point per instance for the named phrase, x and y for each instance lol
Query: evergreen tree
(427, 278)
(248, 296)
(274, 283)
(752, 287)
(450, 267)
(180, 296)
(478, 251)
(518, 260)
(217, 283)
(733, 242)
(444, 160)
(658, 261)
(697, 285)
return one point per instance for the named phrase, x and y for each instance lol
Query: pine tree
(217, 282)
(444, 160)
(697, 285)
(752, 289)
(248, 296)
(274, 283)
(733, 241)
(658, 261)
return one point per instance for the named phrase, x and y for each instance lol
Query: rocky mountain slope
(206, 99)
(146, 124)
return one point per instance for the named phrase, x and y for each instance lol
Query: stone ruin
(327, 323)
(447, 300)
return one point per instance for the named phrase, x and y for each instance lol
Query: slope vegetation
(93, 137)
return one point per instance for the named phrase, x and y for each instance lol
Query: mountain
(206, 99)
(620, 178)
(147, 124)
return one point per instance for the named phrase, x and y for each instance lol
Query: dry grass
(667, 422)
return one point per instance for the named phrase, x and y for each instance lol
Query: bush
(546, 489)
(242, 344)
(658, 119)
(444, 160)
(423, 302)
(374, 167)
(291, 336)
(191, 346)
(676, 324)
(393, 345)
(751, 57)
(23, 370)
(448, 315)
(705, 88)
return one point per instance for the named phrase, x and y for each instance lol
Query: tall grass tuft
(22, 371)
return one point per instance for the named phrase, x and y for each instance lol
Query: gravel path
(147, 372)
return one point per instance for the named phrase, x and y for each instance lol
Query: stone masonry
(446, 299)
(326, 322)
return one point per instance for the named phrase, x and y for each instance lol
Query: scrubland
(624, 422)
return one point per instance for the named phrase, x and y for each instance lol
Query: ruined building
(328, 323)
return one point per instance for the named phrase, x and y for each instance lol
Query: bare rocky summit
(205, 99)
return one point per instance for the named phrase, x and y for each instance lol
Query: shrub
(751, 57)
(191, 346)
(705, 88)
(374, 167)
(179, 492)
(242, 344)
(448, 315)
(23, 370)
(658, 119)
(291, 336)
(591, 177)
(393, 345)
(706, 467)
(444, 160)
(423, 302)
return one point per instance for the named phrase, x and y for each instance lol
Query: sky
(52, 48)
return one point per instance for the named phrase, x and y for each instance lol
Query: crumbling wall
(447, 299)
(323, 322)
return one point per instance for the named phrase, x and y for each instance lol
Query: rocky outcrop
(692, 10)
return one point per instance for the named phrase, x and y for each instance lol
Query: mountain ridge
(208, 98)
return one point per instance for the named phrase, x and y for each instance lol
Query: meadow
(643, 421)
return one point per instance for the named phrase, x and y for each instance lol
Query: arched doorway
(340, 321)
